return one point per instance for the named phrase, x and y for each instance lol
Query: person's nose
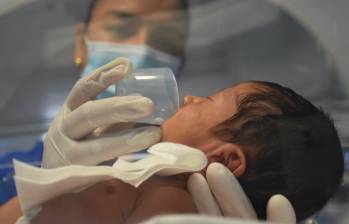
(142, 36)
(192, 99)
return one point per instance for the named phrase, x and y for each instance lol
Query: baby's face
(193, 122)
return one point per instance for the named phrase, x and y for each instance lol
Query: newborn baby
(269, 137)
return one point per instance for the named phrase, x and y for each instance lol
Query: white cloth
(37, 185)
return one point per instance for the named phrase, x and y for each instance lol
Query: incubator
(300, 44)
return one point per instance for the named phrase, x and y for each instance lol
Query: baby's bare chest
(106, 202)
(111, 198)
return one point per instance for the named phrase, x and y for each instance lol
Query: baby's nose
(192, 99)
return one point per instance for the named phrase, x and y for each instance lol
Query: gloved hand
(230, 200)
(76, 136)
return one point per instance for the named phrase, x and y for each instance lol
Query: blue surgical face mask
(100, 53)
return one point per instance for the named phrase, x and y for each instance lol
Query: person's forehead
(136, 6)
(238, 90)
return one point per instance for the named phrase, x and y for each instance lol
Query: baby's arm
(10, 211)
(162, 200)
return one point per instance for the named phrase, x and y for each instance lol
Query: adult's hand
(229, 198)
(76, 136)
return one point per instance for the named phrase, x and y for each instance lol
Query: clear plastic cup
(158, 84)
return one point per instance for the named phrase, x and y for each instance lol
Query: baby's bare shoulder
(160, 196)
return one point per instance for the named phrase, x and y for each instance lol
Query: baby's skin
(114, 201)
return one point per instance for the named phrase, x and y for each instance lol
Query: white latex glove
(75, 136)
(230, 200)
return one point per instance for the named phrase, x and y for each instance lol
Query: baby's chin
(166, 133)
(169, 135)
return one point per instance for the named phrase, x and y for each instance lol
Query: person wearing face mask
(150, 33)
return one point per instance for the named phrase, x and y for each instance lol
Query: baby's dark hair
(299, 152)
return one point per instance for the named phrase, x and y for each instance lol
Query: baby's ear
(230, 155)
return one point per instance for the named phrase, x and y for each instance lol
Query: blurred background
(302, 44)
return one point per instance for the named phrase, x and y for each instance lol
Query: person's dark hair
(171, 37)
(92, 4)
(299, 152)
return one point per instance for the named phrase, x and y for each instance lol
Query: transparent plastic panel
(208, 45)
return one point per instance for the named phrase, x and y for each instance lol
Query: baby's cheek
(172, 127)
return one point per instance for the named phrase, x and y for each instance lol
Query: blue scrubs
(7, 184)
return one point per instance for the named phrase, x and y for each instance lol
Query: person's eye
(123, 29)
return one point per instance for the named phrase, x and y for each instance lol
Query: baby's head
(272, 139)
